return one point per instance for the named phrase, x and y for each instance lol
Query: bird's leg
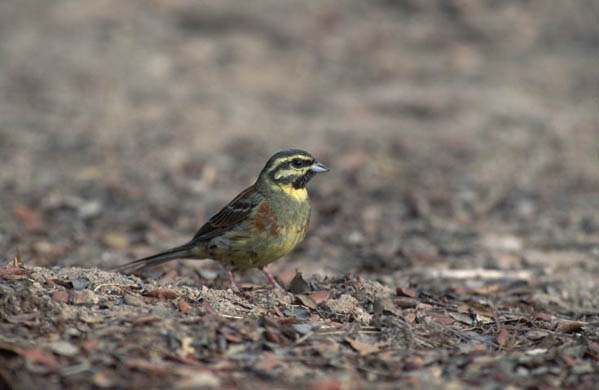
(271, 278)
(234, 285)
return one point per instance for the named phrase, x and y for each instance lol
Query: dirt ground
(453, 245)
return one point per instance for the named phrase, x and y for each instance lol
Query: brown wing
(229, 217)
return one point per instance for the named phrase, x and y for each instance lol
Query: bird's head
(290, 170)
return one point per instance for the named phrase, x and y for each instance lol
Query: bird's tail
(179, 252)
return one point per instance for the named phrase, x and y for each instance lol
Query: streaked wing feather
(229, 216)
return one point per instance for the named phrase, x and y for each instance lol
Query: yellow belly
(243, 252)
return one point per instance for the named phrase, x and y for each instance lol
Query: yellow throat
(299, 194)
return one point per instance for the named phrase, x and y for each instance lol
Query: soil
(453, 244)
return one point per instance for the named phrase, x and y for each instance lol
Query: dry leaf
(441, 318)
(7, 272)
(104, 379)
(485, 290)
(184, 306)
(410, 317)
(60, 296)
(298, 285)
(568, 326)
(28, 319)
(162, 292)
(186, 347)
(41, 360)
(144, 319)
(536, 334)
(408, 292)
(405, 303)
(268, 361)
(503, 337)
(327, 384)
(364, 348)
(320, 296)
(306, 301)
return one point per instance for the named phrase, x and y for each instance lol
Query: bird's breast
(282, 228)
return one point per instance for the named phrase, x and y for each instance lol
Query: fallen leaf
(90, 345)
(441, 318)
(568, 326)
(6, 272)
(298, 285)
(408, 292)
(17, 261)
(304, 328)
(503, 337)
(104, 379)
(413, 363)
(40, 360)
(133, 300)
(91, 319)
(364, 348)
(268, 361)
(544, 316)
(232, 337)
(485, 290)
(410, 317)
(144, 319)
(327, 384)
(28, 319)
(154, 367)
(194, 378)
(184, 306)
(84, 297)
(186, 348)
(271, 336)
(594, 348)
(306, 301)
(60, 296)
(383, 305)
(461, 317)
(406, 303)
(536, 334)
(162, 292)
(320, 296)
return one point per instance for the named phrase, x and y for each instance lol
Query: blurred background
(459, 133)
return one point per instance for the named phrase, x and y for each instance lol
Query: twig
(303, 338)
(478, 273)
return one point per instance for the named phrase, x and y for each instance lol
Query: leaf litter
(191, 336)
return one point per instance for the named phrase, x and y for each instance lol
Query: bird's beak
(319, 167)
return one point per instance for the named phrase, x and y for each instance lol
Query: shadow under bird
(260, 225)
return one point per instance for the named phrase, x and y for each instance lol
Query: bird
(260, 225)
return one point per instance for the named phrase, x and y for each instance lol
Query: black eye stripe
(300, 162)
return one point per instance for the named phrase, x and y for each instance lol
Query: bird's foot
(272, 279)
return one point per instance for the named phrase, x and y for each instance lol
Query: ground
(454, 243)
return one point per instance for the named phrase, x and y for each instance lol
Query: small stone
(64, 348)
(103, 379)
(133, 300)
(83, 297)
(90, 209)
(183, 306)
(80, 283)
(197, 379)
(60, 296)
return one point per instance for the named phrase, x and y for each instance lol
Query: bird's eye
(298, 162)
